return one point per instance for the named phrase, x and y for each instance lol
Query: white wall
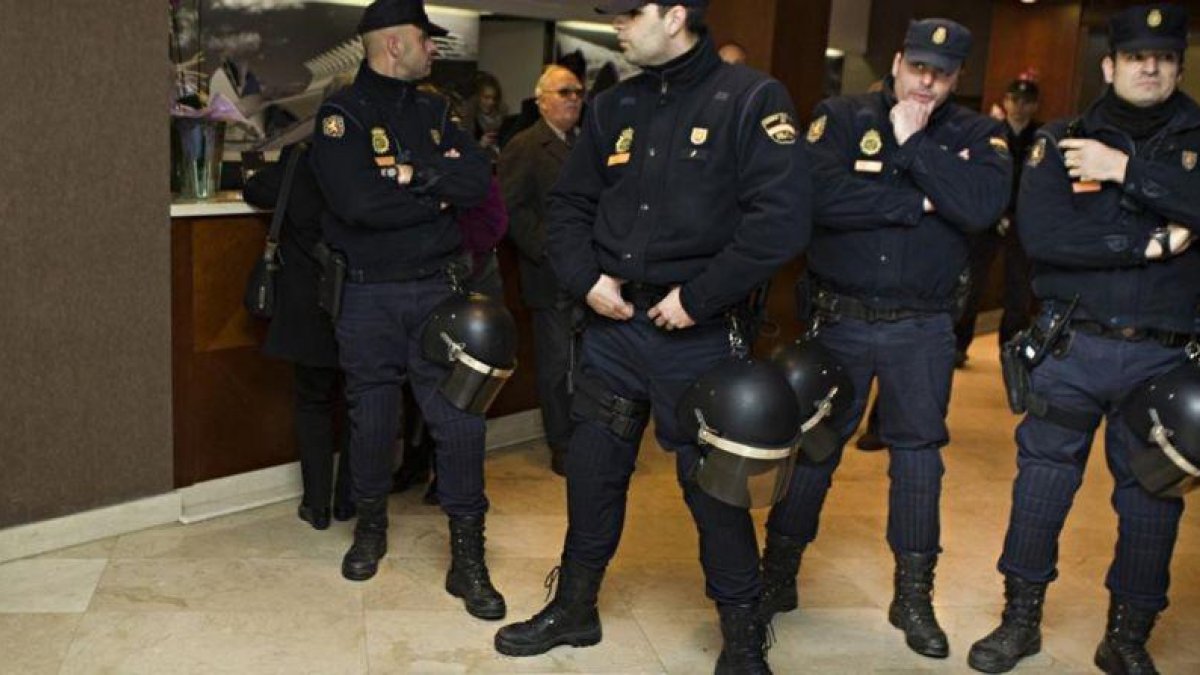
(513, 51)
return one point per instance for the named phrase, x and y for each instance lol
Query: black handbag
(259, 296)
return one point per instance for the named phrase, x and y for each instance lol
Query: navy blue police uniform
(399, 241)
(1133, 320)
(1112, 320)
(882, 282)
(688, 175)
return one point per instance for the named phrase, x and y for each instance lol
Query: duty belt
(838, 305)
(1168, 339)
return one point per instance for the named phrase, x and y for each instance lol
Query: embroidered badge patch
(816, 130)
(699, 135)
(871, 143)
(999, 145)
(436, 135)
(1154, 18)
(939, 35)
(625, 141)
(779, 128)
(1037, 153)
(333, 126)
(379, 141)
(1188, 159)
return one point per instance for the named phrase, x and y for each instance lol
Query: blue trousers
(379, 340)
(638, 361)
(913, 360)
(1093, 376)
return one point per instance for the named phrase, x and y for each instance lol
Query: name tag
(1084, 186)
(619, 158)
(385, 161)
(868, 166)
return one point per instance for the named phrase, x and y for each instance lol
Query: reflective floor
(260, 592)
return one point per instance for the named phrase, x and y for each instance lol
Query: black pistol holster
(591, 400)
(332, 281)
(1025, 352)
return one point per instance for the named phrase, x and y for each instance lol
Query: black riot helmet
(1164, 414)
(477, 337)
(823, 390)
(745, 412)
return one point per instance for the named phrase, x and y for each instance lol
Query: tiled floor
(260, 592)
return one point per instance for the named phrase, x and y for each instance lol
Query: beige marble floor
(260, 592)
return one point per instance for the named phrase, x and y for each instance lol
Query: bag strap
(285, 192)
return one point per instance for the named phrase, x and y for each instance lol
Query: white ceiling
(542, 9)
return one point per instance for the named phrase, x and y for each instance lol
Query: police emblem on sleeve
(1154, 18)
(333, 126)
(436, 135)
(1037, 153)
(999, 145)
(625, 141)
(871, 143)
(1188, 159)
(699, 135)
(779, 128)
(939, 35)
(379, 141)
(817, 129)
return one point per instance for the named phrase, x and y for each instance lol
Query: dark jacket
(390, 231)
(299, 331)
(1092, 244)
(872, 239)
(688, 174)
(529, 167)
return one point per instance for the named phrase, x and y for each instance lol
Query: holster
(593, 401)
(1017, 375)
(332, 281)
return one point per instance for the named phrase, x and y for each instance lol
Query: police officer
(1018, 108)
(686, 190)
(902, 176)
(1108, 203)
(394, 169)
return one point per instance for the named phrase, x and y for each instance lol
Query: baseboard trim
(79, 528)
(207, 500)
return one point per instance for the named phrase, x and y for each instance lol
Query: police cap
(388, 13)
(626, 6)
(941, 43)
(1022, 88)
(1149, 27)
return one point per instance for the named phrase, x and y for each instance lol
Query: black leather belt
(1168, 339)
(643, 296)
(838, 305)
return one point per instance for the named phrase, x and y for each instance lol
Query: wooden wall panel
(1048, 37)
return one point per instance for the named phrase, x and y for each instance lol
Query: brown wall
(85, 416)
(1047, 37)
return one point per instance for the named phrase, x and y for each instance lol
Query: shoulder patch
(779, 128)
(333, 126)
(999, 145)
(1188, 160)
(1037, 153)
(817, 129)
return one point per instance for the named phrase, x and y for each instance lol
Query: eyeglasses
(569, 92)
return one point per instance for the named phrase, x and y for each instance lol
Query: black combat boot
(1123, 649)
(370, 540)
(316, 516)
(468, 576)
(571, 618)
(1019, 634)
(780, 564)
(744, 651)
(912, 605)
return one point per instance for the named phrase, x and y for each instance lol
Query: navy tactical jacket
(1092, 244)
(689, 174)
(390, 231)
(872, 239)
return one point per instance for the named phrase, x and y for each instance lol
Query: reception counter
(232, 405)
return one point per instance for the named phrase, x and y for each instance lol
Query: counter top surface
(224, 204)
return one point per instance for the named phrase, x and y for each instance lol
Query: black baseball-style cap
(1149, 27)
(1023, 88)
(625, 6)
(388, 13)
(941, 43)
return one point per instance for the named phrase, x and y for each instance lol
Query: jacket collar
(388, 88)
(689, 68)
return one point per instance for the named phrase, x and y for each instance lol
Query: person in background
(732, 52)
(529, 167)
(484, 113)
(1019, 107)
(301, 333)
